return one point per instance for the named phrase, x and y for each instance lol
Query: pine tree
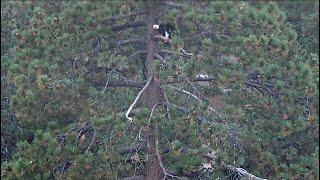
(91, 92)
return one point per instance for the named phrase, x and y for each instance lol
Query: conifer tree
(89, 90)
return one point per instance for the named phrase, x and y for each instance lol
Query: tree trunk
(154, 96)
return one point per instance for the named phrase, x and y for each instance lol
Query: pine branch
(127, 15)
(173, 4)
(195, 97)
(132, 178)
(137, 148)
(182, 53)
(131, 41)
(127, 25)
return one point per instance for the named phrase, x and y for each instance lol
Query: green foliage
(59, 60)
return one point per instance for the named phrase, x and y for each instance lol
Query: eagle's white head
(155, 26)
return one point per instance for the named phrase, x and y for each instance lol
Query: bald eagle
(164, 30)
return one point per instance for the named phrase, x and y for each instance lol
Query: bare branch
(244, 173)
(137, 98)
(187, 92)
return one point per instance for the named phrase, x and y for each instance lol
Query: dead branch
(137, 98)
(187, 92)
(244, 172)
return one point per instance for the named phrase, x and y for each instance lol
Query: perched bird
(164, 30)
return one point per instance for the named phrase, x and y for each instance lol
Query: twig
(137, 98)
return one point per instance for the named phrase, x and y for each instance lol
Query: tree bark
(154, 96)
